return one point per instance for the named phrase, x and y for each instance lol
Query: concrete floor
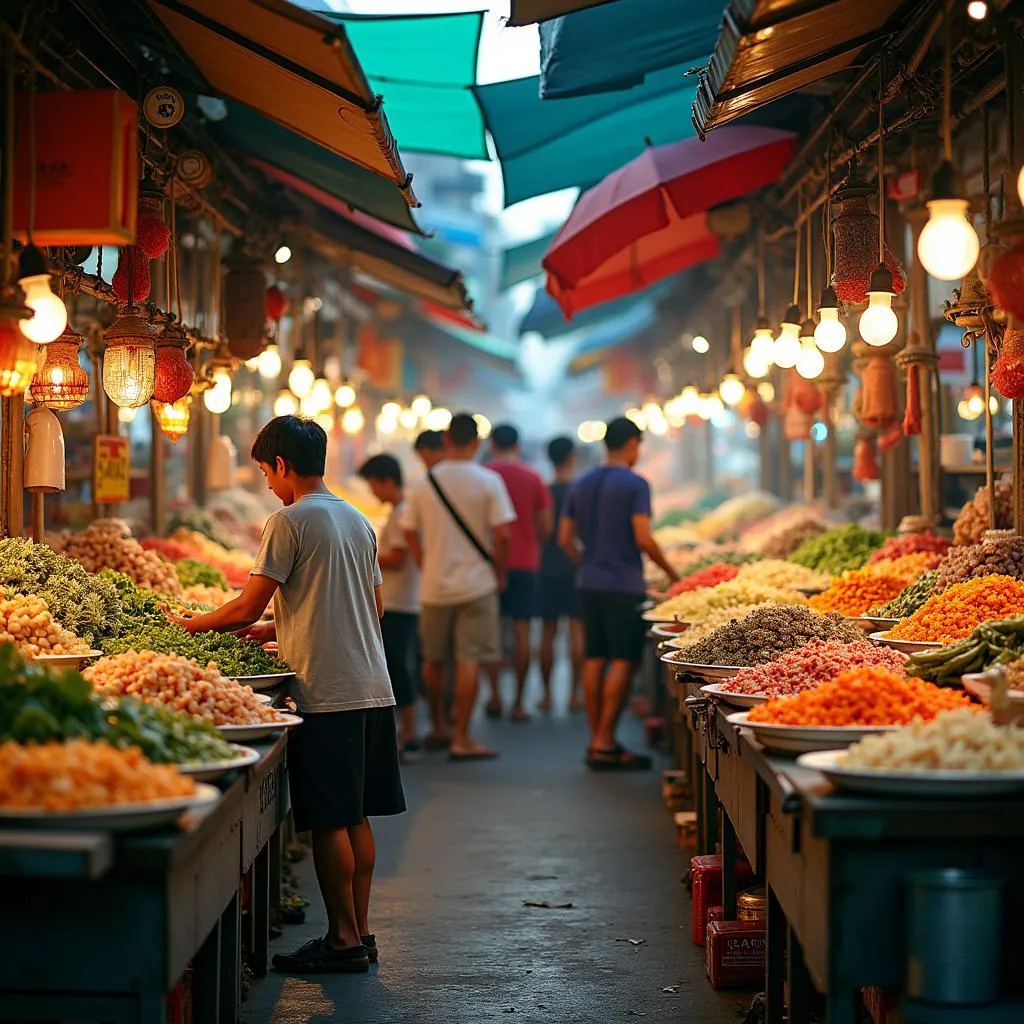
(457, 945)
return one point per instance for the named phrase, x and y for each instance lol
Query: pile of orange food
(953, 615)
(855, 592)
(907, 567)
(869, 695)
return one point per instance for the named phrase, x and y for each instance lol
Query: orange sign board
(111, 469)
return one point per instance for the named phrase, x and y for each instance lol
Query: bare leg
(433, 683)
(577, 644)
(614, 695)
(593, 676)
(492, 670)
(365, 851)
(335, 863)
(407, 723)
(547, 660)
(467, 685)
(522, 656)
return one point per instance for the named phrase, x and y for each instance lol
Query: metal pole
(157, 477)
(37, 514)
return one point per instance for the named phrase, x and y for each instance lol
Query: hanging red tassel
(878, 393)
(891, 437)
(912, 415)
(277, 303)
(865, 461)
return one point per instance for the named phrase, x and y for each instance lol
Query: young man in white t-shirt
(401, 576)
(456, 524)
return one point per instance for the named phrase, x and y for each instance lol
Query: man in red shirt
(532, 502)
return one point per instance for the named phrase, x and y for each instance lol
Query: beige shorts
(472, 631)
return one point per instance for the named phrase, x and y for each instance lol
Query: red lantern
(277, 303)
(152, 239)
(174, 375)
(865, 460)
(1008, 369)
(1006, 281)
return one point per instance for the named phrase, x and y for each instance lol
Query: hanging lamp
(19, 357)
(830, 333)
(810, 363)
(786, 350)
(173, 417)
(50, 315)
(61, 383)
(129, 359)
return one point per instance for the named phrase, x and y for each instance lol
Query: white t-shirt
(401, 586)
(453, 570)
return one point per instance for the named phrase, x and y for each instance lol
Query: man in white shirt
(401, 590)
(456, 525)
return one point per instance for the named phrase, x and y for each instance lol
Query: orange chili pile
(953, 614)
(711, 576)
(856, 591)
(868, 695)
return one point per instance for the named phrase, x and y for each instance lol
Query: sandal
(617, 760)
(479, 754)
(493, 710)
(519, 716)
(436, 742)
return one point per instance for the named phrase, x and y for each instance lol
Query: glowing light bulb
(878, 324)
(975, 399)
(268, 363)
(766, 391)
(125, 414)
(787, 345)
(700, 344)
(320, 395)
(391, 409)
(962, 410)
(51, 315)
(438, 419)
(301, 378)
(1020, 184)
(763, 346)
(345, 396)
(754, 363)
(689, 400)
(948, 245)
(752, 430)
(810, 363)
(637, 416)
(830, 334)
(420, 406)
(283, 254)
(483, 426)
(218, 398)
(385, 425)
(285, 404)
(407, 419)
(977, 9)
(308, 409)
(732, 389)
(326, 421)
(353, 420)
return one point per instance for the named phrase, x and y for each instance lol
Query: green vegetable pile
(991, 643)
(838, 551)
(233, 656)
(191, 571)
(139, 607)
(87, 605)
(909, 599)
(38, 705)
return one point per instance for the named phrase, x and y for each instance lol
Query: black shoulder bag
(459, 521)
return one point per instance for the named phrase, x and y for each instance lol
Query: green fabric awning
(423, 66)
(521, 262)
(252, 134)
(544, 146)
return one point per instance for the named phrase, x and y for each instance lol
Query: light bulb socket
(32, 262)
(881, 280)
(946, 183)
(793, 315)
(828, 298)
(807, 328)
(763, 323)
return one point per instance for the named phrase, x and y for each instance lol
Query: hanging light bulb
(285, 404)
(129, 360)
(50, 314)
(878, 324)
(218, 398)
(407, 419)
(345, 396)
(763, 344)
(392, 409)
(301, 378)
(420, 406)
(385, 425)
(830, 334)
(326, 421)
(787, 344)
(483, 426)
(127, 414)
(700, 344)
(975, 399)
(173, 417)
(689, 400)
(766, 391)
(308, 408)
(438, 419)
(268, 363)
(948, 245)
(19, 357)
(732, 389)
(810, 363)
(754, 364)
(353, 420)
(320, 395)
(61, 383)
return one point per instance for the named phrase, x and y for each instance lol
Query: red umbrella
(648, 219)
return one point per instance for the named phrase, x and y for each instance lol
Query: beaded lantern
(174, 374)
(61, 383)
(132, 281)
(19, 357)
(245, 304)
(129, 360)
(173, 417)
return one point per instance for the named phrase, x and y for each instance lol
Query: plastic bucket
(954, 936)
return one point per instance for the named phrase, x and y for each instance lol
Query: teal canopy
(547, 319)
(521, 262)
(545, 146)
(252, 134)
(617, 45)
(423, 66)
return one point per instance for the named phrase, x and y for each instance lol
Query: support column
(830, 384)
(12, 457)
(157, 477)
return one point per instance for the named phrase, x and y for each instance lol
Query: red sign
(905, 186)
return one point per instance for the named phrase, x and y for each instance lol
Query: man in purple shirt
(606, 527)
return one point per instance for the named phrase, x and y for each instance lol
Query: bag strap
(459, 521)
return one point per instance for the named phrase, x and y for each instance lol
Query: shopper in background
(606, 526)
(401, 598)
(318, 562)
(559, 600)
(520, 599)
(456, 524)
(429, 446)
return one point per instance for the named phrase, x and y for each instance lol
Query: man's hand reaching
(259, 633)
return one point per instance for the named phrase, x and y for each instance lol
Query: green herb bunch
(191, 572)
(838, 551)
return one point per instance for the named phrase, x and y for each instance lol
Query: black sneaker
(318, 957)
(370, 943)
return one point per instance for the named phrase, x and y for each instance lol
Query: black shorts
(519, 600)
(400, 632)
(343, 767)
(613, 625)
(559, 598)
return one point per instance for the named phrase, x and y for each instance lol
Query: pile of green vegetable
(191, 572)
(909, 599)
(838, 551)
(38, 705)
(87, 605)
(991, 643)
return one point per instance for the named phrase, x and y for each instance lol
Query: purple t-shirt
(603, 503)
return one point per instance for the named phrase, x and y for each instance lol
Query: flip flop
(618, 760)
(519, 716)
(473, 755)
(493, 711)
(433, 742)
